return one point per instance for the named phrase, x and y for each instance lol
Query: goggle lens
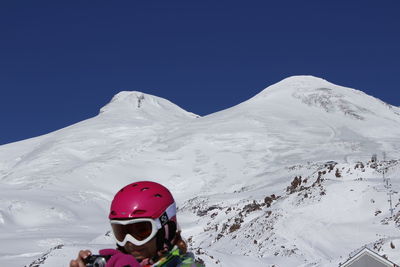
(139, 230)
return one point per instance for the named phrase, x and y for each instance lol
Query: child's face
(148, 250)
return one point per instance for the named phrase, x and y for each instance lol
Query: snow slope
(232, 173)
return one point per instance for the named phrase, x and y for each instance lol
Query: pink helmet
(143, 199)
(147, 199)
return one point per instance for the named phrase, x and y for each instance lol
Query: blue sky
(61, 61)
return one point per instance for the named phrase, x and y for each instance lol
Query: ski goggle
(139, 231)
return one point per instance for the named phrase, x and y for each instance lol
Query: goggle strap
(168, 214)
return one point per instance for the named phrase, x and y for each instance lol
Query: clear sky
(61, 61)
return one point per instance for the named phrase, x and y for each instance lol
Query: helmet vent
(113, 213)
(144, 189)
(138, 212)
(158, 195)
(134, 185)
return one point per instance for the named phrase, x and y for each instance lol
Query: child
(143, 220)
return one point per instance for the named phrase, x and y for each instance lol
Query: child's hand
(79, 262)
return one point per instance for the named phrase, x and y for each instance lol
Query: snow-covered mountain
(252, 182)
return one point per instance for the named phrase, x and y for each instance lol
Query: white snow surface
(55, 189)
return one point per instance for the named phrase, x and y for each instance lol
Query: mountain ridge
(234, 174)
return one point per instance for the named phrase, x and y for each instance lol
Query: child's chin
(137, 255)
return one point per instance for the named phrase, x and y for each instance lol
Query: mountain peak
(137, 104)
(298, 93)
(298, 82)
(303, 79)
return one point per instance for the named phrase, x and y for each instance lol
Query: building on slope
(368, 258)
